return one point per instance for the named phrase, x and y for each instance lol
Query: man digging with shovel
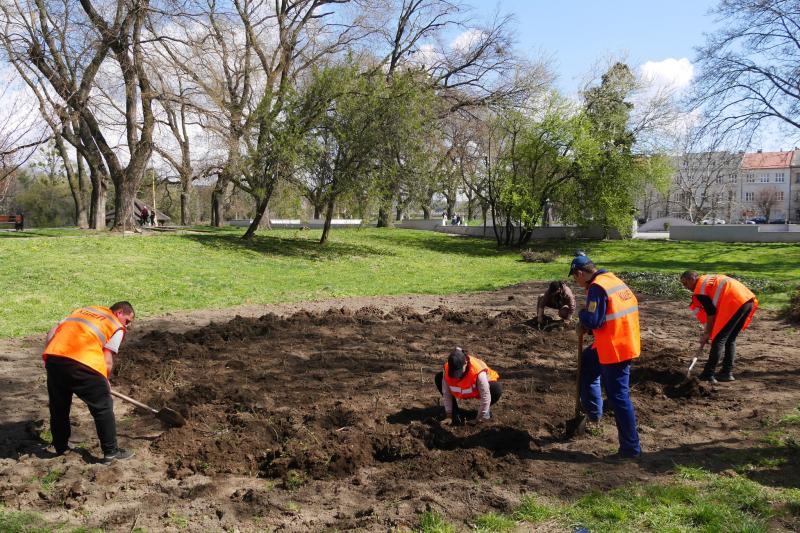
(725, 306)
(612, 314)
(78, 358)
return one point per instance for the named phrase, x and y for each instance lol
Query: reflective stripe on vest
(83, 335)
(617, 339)
(728, 295)
(464, 387)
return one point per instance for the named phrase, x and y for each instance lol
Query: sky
(577, 34)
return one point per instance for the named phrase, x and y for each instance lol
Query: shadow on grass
(441, 243)
(279, 245)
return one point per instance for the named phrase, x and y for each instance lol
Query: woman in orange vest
(612, 315)
(465, 376)
(78, 357)
(726, 307)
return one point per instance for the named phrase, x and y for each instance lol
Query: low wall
(316, 223)
(418, 223)
(538, 234)
(737, 233)
(657, 224)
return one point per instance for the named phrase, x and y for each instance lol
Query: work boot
(120, 454)
(726, 376)
(707, 377)
(619, 457)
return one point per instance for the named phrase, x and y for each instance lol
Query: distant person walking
(79, 357)
(726, 307)
(153, 218)
(143, 216)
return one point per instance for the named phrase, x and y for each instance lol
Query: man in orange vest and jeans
(726, 307)
(465, 376)
(612, 314)
(78, 357)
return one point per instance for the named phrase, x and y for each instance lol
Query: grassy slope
(47, 274)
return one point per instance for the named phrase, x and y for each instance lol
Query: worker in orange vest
(726, 307)
(79, 356)
(465, 376)
(612, 315)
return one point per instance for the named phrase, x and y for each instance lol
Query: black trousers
(727, 338)
(66, 377)
(495, 389)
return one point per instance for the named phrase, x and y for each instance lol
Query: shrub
(532, 256)
(794, 306)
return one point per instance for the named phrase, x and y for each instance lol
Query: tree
(767, 200)
(40, 37)
(749, 66)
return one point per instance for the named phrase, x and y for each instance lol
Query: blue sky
(578, 33)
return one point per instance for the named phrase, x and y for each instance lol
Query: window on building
(719, 180)
(779, 196)
(764, 178)
(749, 196)
(779, 177)
(732, 178)
(797, 178)
(751, 178)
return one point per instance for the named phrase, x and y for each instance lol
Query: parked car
(710, 221)
(778, 221)
(757, 220)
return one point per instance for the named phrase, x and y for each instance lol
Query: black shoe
(622, 458)
(707, 377)
(726, 376)
(121, 454)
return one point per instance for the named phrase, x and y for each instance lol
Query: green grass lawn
(45, 274)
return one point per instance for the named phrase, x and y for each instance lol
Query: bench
(16, 220)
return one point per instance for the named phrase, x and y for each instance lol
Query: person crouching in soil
(557, 296)
(465, 376)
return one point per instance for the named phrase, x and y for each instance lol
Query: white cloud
(669, 74)
(467, 40)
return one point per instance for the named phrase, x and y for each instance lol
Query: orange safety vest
(617, 339)
(466, 386)
(727, 295)
(82, 335)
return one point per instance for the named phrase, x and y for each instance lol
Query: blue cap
(579, 261)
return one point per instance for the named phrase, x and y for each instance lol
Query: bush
(532, 256)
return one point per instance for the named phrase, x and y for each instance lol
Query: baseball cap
(455, 362)
(579, 261)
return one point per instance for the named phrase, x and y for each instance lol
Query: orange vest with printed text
(617, 339)
(727, 295)
(466, 387)
(82, 335)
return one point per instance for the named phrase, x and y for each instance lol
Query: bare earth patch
(325, 416)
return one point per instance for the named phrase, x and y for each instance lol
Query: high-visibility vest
(617, 339)
(727, 295)
(466, 387)
(82, 335)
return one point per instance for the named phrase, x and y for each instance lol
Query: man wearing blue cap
(612, 315)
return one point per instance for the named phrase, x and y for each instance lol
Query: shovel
(577, 424)
(166, 415)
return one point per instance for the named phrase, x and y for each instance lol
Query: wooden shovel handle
(131, 400)
(578, 375)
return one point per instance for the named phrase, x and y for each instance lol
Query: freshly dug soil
(328, 418)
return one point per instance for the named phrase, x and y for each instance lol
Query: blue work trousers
(616, 380)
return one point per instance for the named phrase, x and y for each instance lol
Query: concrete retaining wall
(419, 223)
(317, 223)
(539, 234)
(737, 233)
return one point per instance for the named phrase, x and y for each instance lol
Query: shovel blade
(170, 417)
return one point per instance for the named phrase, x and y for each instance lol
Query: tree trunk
(186, 190)
(399, 213)
(124, 195)
(83, 213)
(326, 228)
(217, 197)
(451, 207)
(74, 181)
(426, 212)
(383, 217)
(261, 208)
(97, 214)
(317, 210)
